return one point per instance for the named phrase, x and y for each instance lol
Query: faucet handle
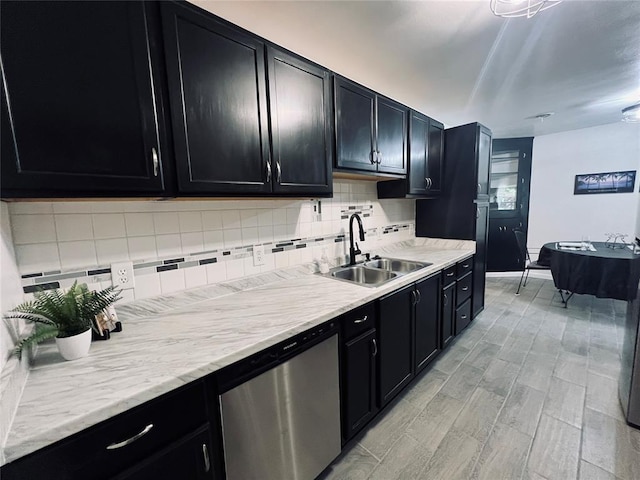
(367, 256)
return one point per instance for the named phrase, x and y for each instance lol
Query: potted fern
(68, 316)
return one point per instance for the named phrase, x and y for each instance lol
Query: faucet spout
(353, 246)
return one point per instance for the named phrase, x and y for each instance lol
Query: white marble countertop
(188, 338)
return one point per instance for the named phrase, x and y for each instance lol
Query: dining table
(601, 269)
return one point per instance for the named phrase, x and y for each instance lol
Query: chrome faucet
(353, 251)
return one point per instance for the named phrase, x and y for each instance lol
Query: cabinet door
(354, 110)
(300, 107)
(480, 259)
(418, 153)
(78, 102)
(190, 458)
(218, 99)
(396, 343)
(483, 162)
(358, 383)
(463, 316)
(391, 134)
(427, 321)
(435, 158)
(448, 309)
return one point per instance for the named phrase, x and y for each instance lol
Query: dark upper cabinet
(425, 166)
(395, 356)
(300, 112)
(426, 321)
(484, 162)
(218, 99)
(371, 130)
(80, 112)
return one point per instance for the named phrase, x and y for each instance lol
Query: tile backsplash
(181, 244)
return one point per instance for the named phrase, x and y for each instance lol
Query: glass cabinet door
(504, 181)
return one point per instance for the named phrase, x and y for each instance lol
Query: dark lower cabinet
(396, 342)
(426, 321)
(463, 316)
(448, 308)
(359, 383)
(480, 258)
(80, 114)
(190, 458)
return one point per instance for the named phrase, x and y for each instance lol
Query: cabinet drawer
(463, 316)
(359, 320)
(464, 267)
(87, 454)
(449, 275)
(463, 288)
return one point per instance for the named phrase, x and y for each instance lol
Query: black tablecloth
(605, 273)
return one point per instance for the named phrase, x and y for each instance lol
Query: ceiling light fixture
(631, 114)
(520, 8)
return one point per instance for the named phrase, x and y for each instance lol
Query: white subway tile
(79, 254)
(304, 230)
(103, 206)
(293, 215)
(280, 232)
(190, 222)
(231, 219)
(168, 245)
(213, 240)
(112, 250)
(166, 222)
(212, 220)
(265, 234)
(216, 272)
(235, 268)
(74, 227)
(139, 224)
(142, 248)
(71, 207)
(37, 258)
(195, 276)
(147, 286)
(279, 216)
(250, 236)
(33, 229)
(248, 218)
(192, 242)
(232, 237)
(172, 281)
(30, 208)
(265, 217)
(281, 259)
(127, 296)
(249, 267)
(269, 263)
(108, 225)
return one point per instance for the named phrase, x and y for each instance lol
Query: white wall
(555, 212)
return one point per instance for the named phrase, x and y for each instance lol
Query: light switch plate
(258, 255)
(122, 275)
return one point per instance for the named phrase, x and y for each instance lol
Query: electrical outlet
(258, 255)
(122, 275)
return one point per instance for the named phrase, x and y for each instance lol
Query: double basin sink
(375, 272)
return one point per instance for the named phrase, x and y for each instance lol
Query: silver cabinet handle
(361, 320)
(414, 297)
(278, 172)
(464, 289)
(155, 161)
(375, 347)
(446, 299)
(268, 172)
(450, 274)
(379, 157)
(463, 317)
(426, 183)
(129, 441)
(205, 455)
(419, 296)
(373, 157)
(465, 265)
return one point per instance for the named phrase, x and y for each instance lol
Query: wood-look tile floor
(528, 391)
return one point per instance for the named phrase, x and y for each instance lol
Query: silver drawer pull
(465, 265)
(375, 347)
(205, 454)
(129, 441)
(464, 289)
(450, 274)
(361, 320)
(463, 317)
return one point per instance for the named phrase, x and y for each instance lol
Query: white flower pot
(76, 346)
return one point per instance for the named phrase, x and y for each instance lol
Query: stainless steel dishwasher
(281, 409)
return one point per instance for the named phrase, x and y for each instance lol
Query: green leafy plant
(62, 314)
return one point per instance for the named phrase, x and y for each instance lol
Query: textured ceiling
(457, 62)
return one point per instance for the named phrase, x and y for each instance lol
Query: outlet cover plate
(258, 255)
(122, 275)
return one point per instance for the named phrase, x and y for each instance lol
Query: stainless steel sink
(375, 272)
(363, 275)
(396, 265)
